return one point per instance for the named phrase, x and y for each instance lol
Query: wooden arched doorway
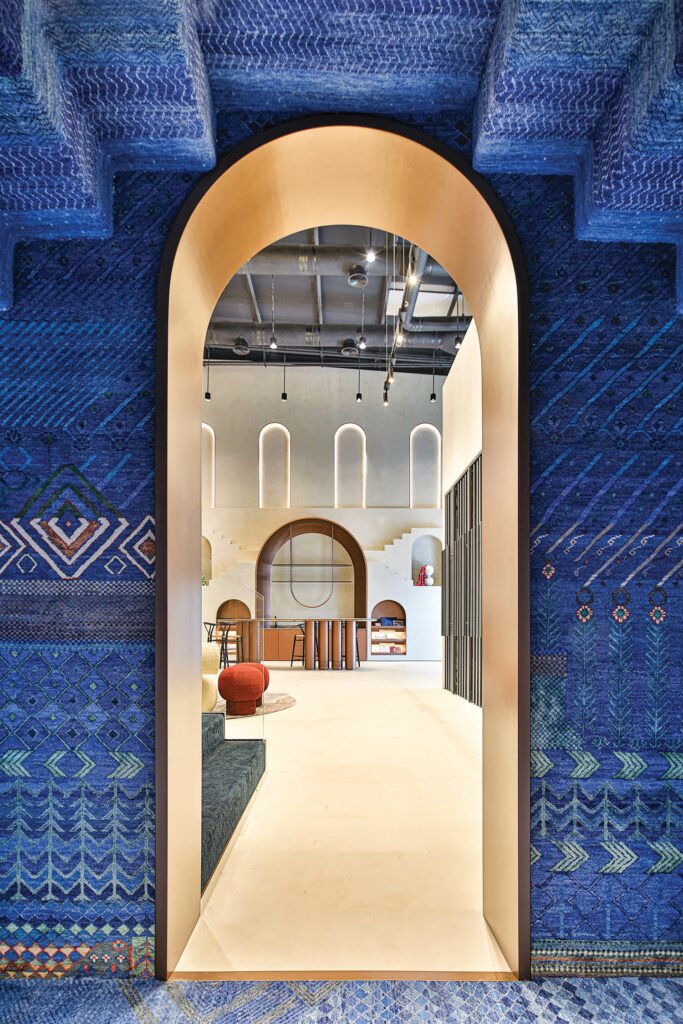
(295, 176)
(326, 528)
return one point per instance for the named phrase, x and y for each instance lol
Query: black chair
(209, 627)
(301, 638)
(226, 640)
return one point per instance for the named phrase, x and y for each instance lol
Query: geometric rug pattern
(574, 87)
(551, 1001)
(77, 353)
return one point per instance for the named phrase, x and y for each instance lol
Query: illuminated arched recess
(425, 466)
(350, 466)
(207, 559)
(288, 179)
(208, 466)
(274, 459)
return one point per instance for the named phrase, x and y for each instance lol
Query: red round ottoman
(264, 671)
(242, 687)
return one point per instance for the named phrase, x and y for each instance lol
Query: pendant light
(432, 397)
(207, 393)
(361, 342)
(273, 339)
(370, 255)
(283, 396)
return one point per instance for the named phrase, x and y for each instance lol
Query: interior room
(341, 607)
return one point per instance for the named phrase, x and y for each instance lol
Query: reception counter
(327, 644)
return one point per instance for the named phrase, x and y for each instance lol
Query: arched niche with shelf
(426, 550)
(388, 629)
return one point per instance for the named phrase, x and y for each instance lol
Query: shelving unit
(388, 640)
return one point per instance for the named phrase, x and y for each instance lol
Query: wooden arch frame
(296, 528)
(293, 177)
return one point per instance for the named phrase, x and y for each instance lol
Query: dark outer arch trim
(310, 524)
(523, 510)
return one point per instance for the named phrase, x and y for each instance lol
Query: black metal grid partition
(461, 607)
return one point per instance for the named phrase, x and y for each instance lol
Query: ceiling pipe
(305, 335)
(326, 261)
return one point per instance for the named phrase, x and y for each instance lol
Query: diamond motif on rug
(68, 523)
(140, 545)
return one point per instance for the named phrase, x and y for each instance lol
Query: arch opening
(274, 454)
(295, 177)
(425, 466)
(350, 466)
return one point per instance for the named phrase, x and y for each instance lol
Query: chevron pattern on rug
(76, 388)
(578, 87)
(608, 1001)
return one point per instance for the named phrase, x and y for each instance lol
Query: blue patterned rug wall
(77, 597)
(607, 703)
(624, 1001)
(77, 444)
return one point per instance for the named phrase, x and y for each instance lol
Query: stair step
(213, 732)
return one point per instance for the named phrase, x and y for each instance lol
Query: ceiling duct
(327, 335)
(326, 261)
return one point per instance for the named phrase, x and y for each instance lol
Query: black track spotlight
(207, 396)
(283, 396)
(359, 396)
(432, 397)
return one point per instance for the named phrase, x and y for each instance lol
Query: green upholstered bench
(231, 770)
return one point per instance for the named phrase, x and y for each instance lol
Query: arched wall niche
(291, 178)
(208, 466)
(425, 466)
(297, 528)
(426, 550)
(207, 559)
(274, 462)
(233, 608)
(350, 466)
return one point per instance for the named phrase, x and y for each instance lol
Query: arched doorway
(289, 179)
(301, 527)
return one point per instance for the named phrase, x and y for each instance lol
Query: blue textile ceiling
(110, 112)
(590, 88)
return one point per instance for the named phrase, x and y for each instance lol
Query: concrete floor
(361, 848)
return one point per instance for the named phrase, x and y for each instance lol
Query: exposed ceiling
(338, 294)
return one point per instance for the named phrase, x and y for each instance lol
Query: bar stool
(301, 638)
(209, 627)
(226, 640)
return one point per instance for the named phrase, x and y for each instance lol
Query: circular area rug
(271, 702)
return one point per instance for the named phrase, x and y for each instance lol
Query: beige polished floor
(361, 848)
